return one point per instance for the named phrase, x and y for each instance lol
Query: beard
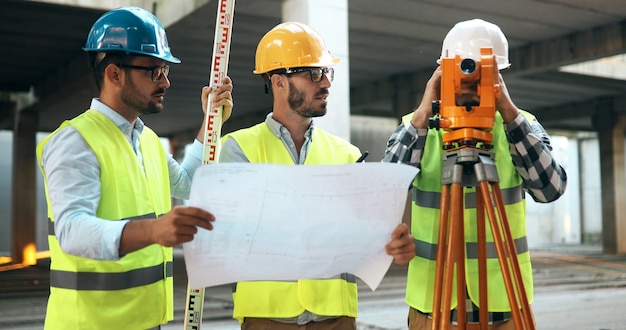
(299, 103)
(131, 97)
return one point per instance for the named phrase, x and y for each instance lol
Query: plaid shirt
(529, 144)
(544, 179)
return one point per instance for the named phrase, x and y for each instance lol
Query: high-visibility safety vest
(273, 299)
(135, 291)
(425, 227)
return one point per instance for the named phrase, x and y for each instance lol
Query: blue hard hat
(132, 30)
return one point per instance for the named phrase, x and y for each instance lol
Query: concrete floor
(576, 287)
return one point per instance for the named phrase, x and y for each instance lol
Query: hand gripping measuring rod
(213, 119)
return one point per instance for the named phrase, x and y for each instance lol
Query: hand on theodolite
(504, 104)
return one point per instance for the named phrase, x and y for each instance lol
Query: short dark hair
(267, 79)
(99, 61)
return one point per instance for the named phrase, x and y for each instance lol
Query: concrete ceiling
(393, 47)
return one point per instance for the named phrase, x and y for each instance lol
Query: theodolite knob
(435, 107)
(433, 122)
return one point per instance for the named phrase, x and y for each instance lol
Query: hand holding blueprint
(285, 222)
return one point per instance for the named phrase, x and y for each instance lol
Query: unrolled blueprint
(284, 222)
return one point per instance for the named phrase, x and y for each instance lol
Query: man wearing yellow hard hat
(296, 68)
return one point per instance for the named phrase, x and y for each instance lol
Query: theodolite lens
(468, 66)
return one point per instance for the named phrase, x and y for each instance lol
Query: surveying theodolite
(469, 162)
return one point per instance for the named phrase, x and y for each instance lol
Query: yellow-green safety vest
(425, 226)
(273, 299)
(136, 291)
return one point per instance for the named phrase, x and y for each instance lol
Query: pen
(363, 156)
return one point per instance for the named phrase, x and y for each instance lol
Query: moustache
(322, 92)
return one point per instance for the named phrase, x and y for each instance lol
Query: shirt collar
(279, 130)
(115, 117)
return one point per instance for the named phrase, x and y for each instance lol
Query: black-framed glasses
(157, 72)
(317, 74)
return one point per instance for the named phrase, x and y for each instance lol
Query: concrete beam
(596, 43)
(65, 81)
(167, 11)
(602, 41)
(75, 75)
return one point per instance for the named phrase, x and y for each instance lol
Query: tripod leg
(441, 250)
(482, 262)
(459, 248)
(526, 309)
(456, 221)
(502, 254)
(450, 245)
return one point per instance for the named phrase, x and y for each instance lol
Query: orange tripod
(467, 162)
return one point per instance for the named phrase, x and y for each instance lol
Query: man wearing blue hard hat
(109, 184)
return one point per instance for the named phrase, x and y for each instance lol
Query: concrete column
(23, 195)
(330, 19)
(611, 128)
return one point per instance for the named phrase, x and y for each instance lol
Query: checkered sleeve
(406, 145)
(544, 178)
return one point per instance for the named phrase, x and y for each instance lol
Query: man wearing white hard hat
(524, 163)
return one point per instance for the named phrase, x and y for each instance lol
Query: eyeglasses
(157, 72)
(317, 74)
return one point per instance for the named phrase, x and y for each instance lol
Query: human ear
(278, 81)
(112, 73)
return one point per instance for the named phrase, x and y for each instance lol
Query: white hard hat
(467, 37)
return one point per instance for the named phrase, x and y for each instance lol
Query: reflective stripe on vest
(429, 251)
(432, 199)
(285, 299)
(138, 283)
(110, 281)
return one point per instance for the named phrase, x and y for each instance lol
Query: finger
(226, 86)
(403, 259)
(393, 249)
(204, 98)
(203, 219)
(401, 230)
(227, 81)
(194, 213)
(222, 98)
(400, 245)
(208, 225)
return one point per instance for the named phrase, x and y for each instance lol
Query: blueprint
(285, 222)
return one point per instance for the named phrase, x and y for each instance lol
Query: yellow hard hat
(466, 38)
(292, 45)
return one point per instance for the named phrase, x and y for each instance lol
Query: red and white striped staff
(213, 131)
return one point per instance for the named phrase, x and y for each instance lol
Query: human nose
(164, 81)
(325, 82)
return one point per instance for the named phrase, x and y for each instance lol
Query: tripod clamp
(469, 166)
